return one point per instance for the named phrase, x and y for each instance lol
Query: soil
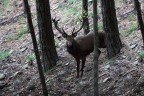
(119, 76)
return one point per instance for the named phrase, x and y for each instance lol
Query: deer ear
(74, 34)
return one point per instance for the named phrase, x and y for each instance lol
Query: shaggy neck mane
(74, 48)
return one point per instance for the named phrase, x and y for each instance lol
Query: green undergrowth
(17, 35)
(4, 6)
(70, 10)
(131, 29)
(4, 54)
(30, 57)
(141, 54)
(21, 20)
(5, 3)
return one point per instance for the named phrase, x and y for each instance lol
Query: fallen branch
(11, 20)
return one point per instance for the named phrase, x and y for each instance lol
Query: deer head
(70, 37)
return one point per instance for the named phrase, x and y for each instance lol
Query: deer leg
(78, 65)
(83, 65)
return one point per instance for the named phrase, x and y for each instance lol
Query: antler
(78, 29)
(73, 30)
(61, 30)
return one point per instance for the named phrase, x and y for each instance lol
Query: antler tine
(56, 25)
(64, 33)
(63, 30)
(80, 27)
(73, 30)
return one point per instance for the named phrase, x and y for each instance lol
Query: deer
(80, 47)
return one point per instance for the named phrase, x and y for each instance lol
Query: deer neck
(72, 47)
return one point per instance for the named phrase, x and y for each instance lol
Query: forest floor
(120, 76)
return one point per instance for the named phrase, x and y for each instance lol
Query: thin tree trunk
(30, 24)
(95, 26)
(139, 17)
(85, 16)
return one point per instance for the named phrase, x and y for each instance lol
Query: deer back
(86, 42)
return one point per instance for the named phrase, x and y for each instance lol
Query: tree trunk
(47, 45)
(139, 17)
(85, 16)
(110, 24)
(40, 70)
(96, 55)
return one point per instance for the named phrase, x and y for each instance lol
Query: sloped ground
(120, 76)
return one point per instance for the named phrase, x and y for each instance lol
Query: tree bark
(47, 45)
(110, 24)
(139, 17)
(85, 16)
(96, 55)
(40, 70)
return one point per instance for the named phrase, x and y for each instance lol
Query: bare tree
(139, 17)
(47, 44)
(29, 20)
(96, 43)
(110, 24)
(85, 16)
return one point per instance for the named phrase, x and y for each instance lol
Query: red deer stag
(81, 46)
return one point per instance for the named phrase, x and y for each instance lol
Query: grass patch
(4, 6)
(21, 20)
(4, 54)
(132, 27)
(18, 34)
(6, 3)
(141, 54)
(61, 5)
(72, 9)
(131, 17)
(30, 57)
(118, 3)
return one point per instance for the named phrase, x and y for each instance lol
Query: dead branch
(11, 20)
